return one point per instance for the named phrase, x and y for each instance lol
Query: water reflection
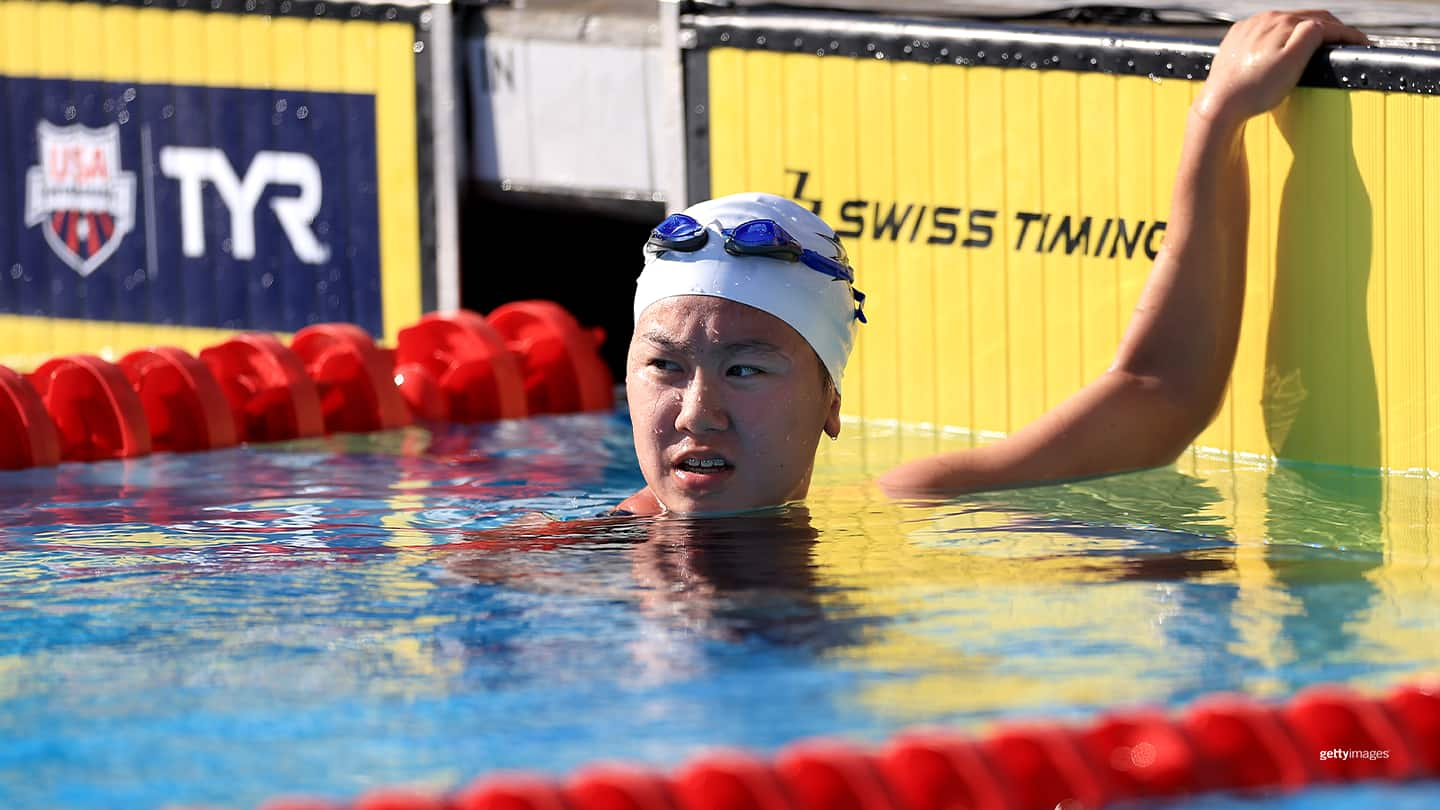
(1155, 587)
(742, 579)
(1325, 529)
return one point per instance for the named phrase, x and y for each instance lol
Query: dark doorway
(582, 255)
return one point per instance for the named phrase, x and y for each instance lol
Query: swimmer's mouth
(703, 464)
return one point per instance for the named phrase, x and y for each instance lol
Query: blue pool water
(329, 616)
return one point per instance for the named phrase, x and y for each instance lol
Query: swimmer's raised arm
(1174, 360)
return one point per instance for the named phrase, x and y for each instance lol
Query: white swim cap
(825, 310)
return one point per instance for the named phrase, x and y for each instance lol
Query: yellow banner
(1003, 220)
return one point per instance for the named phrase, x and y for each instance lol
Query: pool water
(328, 616)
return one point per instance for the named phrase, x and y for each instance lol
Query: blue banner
(188, 205)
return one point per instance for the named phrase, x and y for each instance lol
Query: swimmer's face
(728, 404)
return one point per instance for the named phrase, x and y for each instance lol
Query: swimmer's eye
(662, 364)
(745, 371)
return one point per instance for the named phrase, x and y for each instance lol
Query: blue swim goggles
(757, 237)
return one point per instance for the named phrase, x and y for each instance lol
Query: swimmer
(746, 312)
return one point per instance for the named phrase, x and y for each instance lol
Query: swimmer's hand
(1261, 59)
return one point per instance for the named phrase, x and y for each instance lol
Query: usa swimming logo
(78, 194)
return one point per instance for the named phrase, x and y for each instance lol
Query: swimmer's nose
(702, 409)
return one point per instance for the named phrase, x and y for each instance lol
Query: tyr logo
(193, 166)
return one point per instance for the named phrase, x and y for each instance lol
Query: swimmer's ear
(832, 416)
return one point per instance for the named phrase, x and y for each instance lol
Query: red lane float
(728, 780)
(96, 413)
(1242, 745)
(465, 359)
(27, 434)
(1142, 754)
(1118, 757)
(563, 369)
(355, 380)
(419, 390)
(267, 388)
(184, 407)
(1330, 718)
(1042, 765)
(833, 776)
(401, 799)
(535, 358)
(511, 792)
(618, 787)
(1416, 710)
(936, 771)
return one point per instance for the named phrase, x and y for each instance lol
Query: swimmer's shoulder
(641, 504)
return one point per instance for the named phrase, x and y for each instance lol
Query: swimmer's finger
(1354, 36)
(1304, 38)
(1332, 29)
(1336, 31)
(1312, 33)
